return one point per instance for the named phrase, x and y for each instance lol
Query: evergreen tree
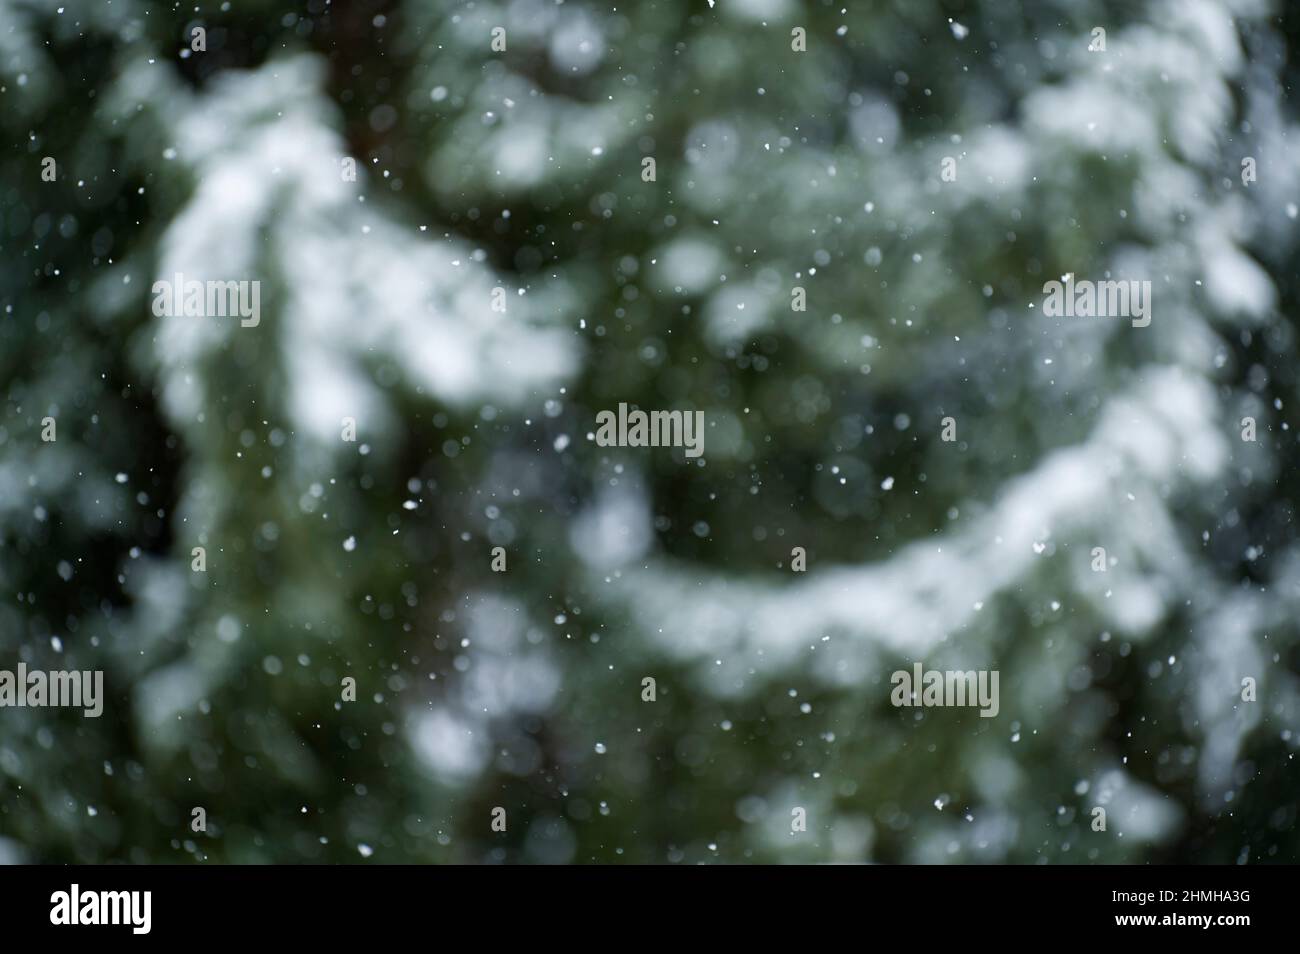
(359, 575)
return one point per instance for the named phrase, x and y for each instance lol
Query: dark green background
(774, 169)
